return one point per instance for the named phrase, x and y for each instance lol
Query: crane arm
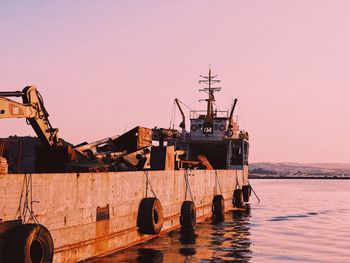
(13, 109)
(33, 110)
(183, 123)
(231, 113)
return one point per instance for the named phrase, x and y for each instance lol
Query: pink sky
(107, 66)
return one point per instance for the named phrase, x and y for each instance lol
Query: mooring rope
(188, 187)
(237, 181)
(148, 182)
(254, 193)
(27, 187)
(217, 182)
(18, 213)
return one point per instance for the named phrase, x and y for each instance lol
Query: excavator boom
(33, 110)
(13, 109)
(11, 93)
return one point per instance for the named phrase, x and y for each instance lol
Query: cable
(172, 116)
(188, 187)
(255, 193)
(185, 105)
(148, 182)
(217, 181)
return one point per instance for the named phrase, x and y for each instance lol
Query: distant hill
(345, 166)
(287, 168)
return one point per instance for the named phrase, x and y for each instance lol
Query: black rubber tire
(247, 191)
(30, 243)
(218, 207)
(237, 200)
(150, 216)
(188, 215)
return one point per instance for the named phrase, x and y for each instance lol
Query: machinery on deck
(128, 151)
(52, 155)
(33, 110)
(125, 152)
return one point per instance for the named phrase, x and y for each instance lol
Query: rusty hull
(93, 214)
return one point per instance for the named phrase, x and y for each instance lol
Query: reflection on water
(146, 255)
(296, 221)
(240, 237)
(230, 240)
(188, 240)
(225, 241)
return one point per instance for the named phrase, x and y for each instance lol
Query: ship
(92, 199)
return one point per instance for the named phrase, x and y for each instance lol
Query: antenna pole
(209, 80)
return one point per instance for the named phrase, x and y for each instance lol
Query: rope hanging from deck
(257, 197)
(238, 186)
(188, 187)
(217, 183)
(148, 183)
(27, 210)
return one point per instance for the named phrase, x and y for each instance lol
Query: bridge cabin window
(199, 127)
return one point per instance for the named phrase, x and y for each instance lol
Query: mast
(209, 80)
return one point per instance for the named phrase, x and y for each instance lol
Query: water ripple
(307, 228)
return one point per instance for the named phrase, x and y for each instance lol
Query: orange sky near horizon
(104, 67)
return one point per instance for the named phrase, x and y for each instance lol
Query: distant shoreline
(253, 176)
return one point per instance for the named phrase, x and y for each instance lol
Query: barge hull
(93, 214)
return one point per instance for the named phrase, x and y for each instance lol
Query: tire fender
(237, 199)
(188, 215)
(150, 216)
(30, 243)
(218, 207)
(247, 191)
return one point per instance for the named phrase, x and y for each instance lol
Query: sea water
(295, 221)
